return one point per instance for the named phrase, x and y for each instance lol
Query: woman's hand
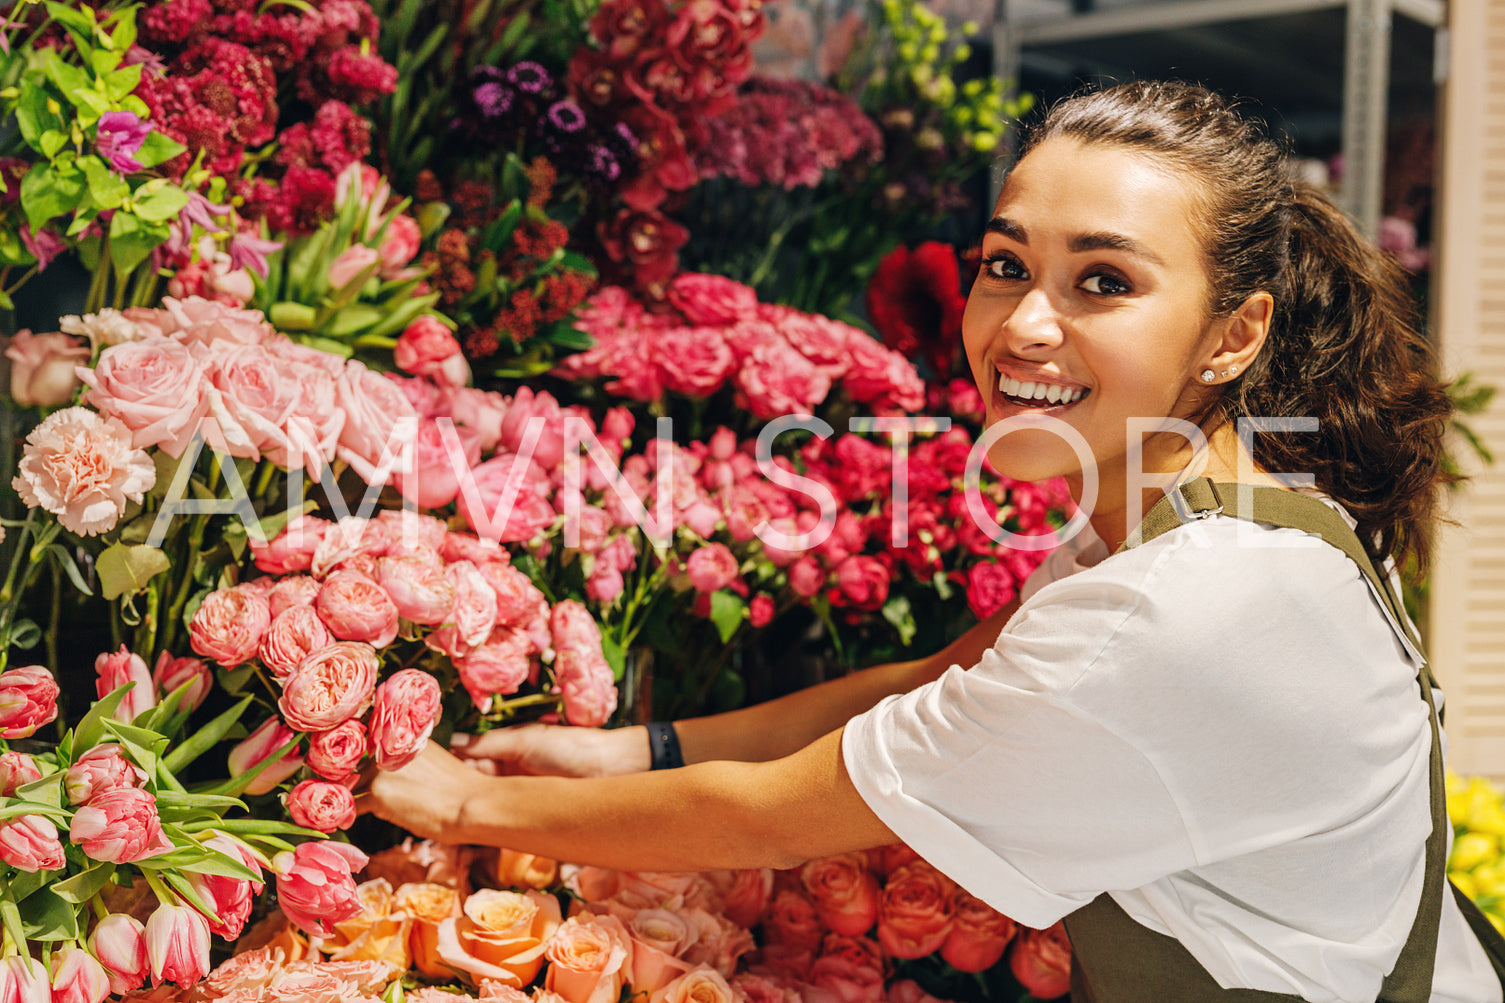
(551, 750)
(427, 797)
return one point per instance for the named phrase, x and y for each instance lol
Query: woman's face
(1093, 289)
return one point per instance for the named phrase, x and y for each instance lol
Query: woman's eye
(1105, 285)
(1003, 266)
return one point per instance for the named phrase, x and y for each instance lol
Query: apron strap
(1410, 981)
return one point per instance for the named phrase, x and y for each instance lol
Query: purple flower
(603, 164)
(529, 77)
(492, 98)
(566, 116)
(118, 137)
(44, 245)
(198, 212)
(249, 250)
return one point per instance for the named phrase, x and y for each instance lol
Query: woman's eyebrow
(1100, 241)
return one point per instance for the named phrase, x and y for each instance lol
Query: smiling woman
(1206, 739)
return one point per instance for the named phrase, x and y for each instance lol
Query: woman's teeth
(1034, 393)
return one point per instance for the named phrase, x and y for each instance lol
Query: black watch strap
(663, 747)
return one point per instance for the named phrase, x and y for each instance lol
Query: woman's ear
(1241, 336)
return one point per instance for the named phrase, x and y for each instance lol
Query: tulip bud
(78, 978)
(261, 743)
(119, 942)
(177, 944)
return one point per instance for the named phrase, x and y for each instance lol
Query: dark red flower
(914, 300)
(646, 246)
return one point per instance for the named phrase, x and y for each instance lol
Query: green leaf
(614, 655)
(182, 887)
(119, 83)
(51, 142)
(35, 119)
(126, 569)
(236, 786)
(84, 885)
(65, 561)
(141, 746)
(571, 337)
(45, 791)
(90, 730)
(14, 807)
(123, 36)
(233, 681)
(131, 242)
(897, 612)
(108, 189)
(249, 827)
(48, 191)
(397, 320)
(47, 916)
(728, 610)
(190, 802)
(286, 316)
(352, 320)
(157, 148)
(162, 205)
(71, 80)
(205, 738)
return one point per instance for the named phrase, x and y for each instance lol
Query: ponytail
(1343, 345)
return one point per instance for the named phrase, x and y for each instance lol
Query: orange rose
(427, 905)
(589, 959)
(979, 934)
(845, 893)
(594, 884)
(792, 921)
(525, 870)
(703, 985)
(379, 932)
(659, 941)
(914, 916)
(744, 893)
(500, 936)
(1041, 961)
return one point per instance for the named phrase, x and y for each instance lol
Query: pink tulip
(232, 897)
(119, 942)
(30, 843)
(344, 269)
(102, 768)
(257, 746)
(169, 673)
(28, 700)
(115, 669)
(119, 826)
(78, 978)
(177, 944)
(315, 886)
(24, 980)
(16, 769)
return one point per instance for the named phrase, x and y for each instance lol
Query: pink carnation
(82, 467)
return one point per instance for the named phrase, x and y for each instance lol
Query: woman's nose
(1034, 323)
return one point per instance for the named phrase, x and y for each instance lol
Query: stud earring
(1233, 369)
(1208, 376)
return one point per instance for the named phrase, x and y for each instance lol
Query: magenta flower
(44, 245)
(118, 137)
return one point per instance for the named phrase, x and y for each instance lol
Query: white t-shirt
(1219, 728)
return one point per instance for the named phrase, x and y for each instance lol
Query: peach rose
(792, 921)
(700, 985)
(525, 870)
(593, 884)
(229, 624)
(355, 608)
(427, 905)
(424, 860)
(379, 932)
(844, 891)
(321, 805)
(979, 934)
(501, 935)
(659, 940)
(81, 467)
(720, 944)
(407, 708)
(42, 367)
(589, 959)
(333, 683)
(294, 633)
(914, 914)
(1041, 961)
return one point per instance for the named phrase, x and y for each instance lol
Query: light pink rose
(350, 538)
(481, 502)
(431, 481)
(42, 367)
(844, 891)
(412, 534)
(154, 388)
(332, 684)
(315, 886)
(419, 588)
(573, 627)
(291, 592)
(711, 567)
(354, 608)
(119, 942)
(102, 768)
(776, 380)
(350, 263)
(16, 770)
(251, 751)
(115, 669)
(251, 394)
(472, 616)
(28, 700)
(427, 348)
(481, 411)
(169, 673)
(604, 583)
(588, 959)
(374, 428)
(311, 432)
(699, 985)
(660, 938)
(337, 753)
(407, 708)
(81, 467)
(293, 549)
(497, 668)
(295, 632)
(177, 944)
(586, 686)
(1041, 961)
(229, 624)
(319, 804)
(120, 826)
(30, 843)
(197, 321)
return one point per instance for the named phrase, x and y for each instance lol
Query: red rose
(1041, 961)
(862, 582)
(990, 586)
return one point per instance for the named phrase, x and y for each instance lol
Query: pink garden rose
(473, 615)
(711, 567)
(375, 429)
(496, 668)
(251, 395)
(194, 320)
(712, 299)
(333, 683)
(294, 633)
(42, 367)
(315, 886)
(81, 467)
(119, 942)
(102, 768)
(28, 700)
(354, 608)
(177, 945)
(863, 582)
(16, 770)
(518, 601)
(851, 967)
(253, 750)
(321, 805)
(169, 673)
(294, 590)
(791, 920)
(337, 753)
(293, 549)
(694, 361)
(229, 624)
(407, 708)
(431, 480)
(30, 843)
(154, 388)
(419, 588)
(120, 826)
(115, 669)
(427, 348)
(481, 501)
(586, 686)
(915, 911)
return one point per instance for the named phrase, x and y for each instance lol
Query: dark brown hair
(1343, 344)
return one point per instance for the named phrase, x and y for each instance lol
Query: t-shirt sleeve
(998, 777)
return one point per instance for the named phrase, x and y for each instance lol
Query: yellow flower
(1472, 849)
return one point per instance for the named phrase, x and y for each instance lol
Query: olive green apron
(1117, 960)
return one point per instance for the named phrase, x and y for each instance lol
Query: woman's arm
(755, 734)
(703, 817)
